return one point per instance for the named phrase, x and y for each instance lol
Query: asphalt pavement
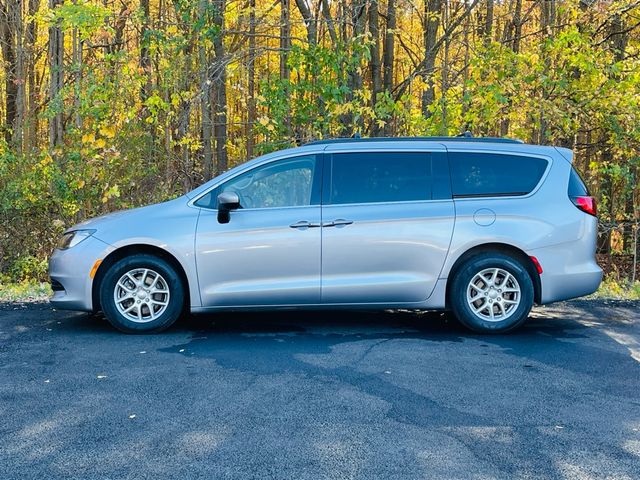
(322, 395)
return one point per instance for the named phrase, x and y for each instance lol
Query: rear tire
(141, 294)
(491, 293)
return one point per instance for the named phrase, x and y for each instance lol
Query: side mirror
(227, 201)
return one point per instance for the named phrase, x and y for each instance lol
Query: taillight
(586, 204)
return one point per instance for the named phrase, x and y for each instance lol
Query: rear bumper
(573, 285)
(566, 272)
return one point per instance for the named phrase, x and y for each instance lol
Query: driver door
(269, 252)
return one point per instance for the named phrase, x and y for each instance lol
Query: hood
(103, 221)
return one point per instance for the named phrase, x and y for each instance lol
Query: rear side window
(370, 177)
(490, 174)
(577, 188)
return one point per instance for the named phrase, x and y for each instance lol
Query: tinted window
(577, 188)
(285, 183)
(380, 177)
(486, 174)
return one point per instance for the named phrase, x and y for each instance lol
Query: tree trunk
(488, 23)
(445, 72)
(31, 118)
(431, 24)
(21, 84)
(76, 56)
(220, 89)
(517, 26)
(547, 26)
(251, 71)
(285, 46)
(205, 98)
(8, 43)
(618, 39)
(389, 46)
(56, 80)
(145, 59)
(310, 22)
(511, 37)
(374, 63)
(388, 57)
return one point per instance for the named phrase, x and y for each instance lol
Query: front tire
(142, 293)
(492, 293)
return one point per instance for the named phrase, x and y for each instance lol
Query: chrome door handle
(340, 222)
(304, 224)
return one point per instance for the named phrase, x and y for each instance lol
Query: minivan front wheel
(141, 293)
(492, 293)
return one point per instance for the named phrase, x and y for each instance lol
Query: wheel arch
(133, 249)
(505, 249)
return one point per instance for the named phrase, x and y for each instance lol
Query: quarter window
(577, 188)
(285, 183)
(487, 174)
(380, 177)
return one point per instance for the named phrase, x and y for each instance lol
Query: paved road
(322, 395)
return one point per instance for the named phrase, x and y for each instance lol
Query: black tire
(166, 318)
(462, 280)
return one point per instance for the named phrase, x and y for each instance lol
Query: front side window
(370, 177)
(284, 183)
(489, 174)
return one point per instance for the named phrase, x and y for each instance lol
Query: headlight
(71, 239)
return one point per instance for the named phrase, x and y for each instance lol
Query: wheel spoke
(130, 307)
(481, 307)
(124, 286)
(476, 298)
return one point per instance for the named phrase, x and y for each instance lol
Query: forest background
(111, 104)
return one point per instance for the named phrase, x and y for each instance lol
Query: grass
(32, 291)
(26, 291)
(617, 289)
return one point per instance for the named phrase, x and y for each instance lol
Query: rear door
(387, 219)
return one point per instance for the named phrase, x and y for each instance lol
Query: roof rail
(416, 139)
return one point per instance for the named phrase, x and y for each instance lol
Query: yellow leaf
(100, 143)
(88, 138)
(108, 131)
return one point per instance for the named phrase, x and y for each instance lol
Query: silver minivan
(485, 227)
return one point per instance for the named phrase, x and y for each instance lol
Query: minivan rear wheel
(491, 293)
(141, 293)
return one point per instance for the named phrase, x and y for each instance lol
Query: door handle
(304, 224)
(340, 222)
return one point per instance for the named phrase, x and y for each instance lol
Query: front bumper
(69, 272)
